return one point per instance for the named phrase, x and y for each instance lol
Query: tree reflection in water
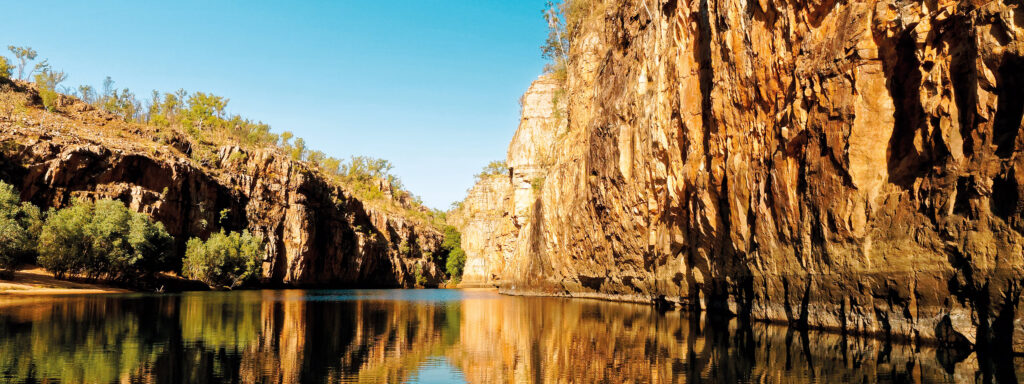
(298, 336)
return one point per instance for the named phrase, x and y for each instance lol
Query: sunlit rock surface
(839, 165)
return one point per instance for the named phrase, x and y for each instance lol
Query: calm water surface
(433, 336)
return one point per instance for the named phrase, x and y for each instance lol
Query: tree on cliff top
(497, 167)
(26, 56)
(6, 68)
(556, 48)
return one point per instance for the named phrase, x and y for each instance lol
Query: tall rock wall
(317, 233)
(848, 165)
(487, 232)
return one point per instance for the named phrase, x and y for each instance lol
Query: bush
(493, 168)
(6, 68)
(421, 280)
(47, 81)
(19, 225)
(103, 239)
(456, 256)
(225, 259)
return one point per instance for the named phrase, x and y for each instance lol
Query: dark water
(442, 336)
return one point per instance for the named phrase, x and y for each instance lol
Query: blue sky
(430, 85)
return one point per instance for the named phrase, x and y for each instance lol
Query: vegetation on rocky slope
(204, 119)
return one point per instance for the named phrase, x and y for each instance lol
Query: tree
(205, 111)
(225, 259)
(298, 150)
(496, 167)
(19, 225)
(452, 243)
(87, 94)
(286, 136)
(6, 68)
(556, 48)
(317, 157)
(25, 56)
(103, 239)
(331, 165)
(47, 81)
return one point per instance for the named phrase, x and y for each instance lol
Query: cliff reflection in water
(420, 336)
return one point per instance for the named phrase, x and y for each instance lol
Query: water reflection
(433, 336)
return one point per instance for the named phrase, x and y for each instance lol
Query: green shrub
(47, 82)
(6, 68)
(225, 259)
(103, 239)
(452, 243)
(493, 168)
(421, 280)
(19, 225)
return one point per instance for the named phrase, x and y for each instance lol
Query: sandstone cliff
(317, 232)
(841, 165)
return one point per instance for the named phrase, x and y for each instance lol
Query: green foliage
(238, 158)
(122, 103)
(456, 261)
(103, 239)
(25, 56)
(6, 68)
(556, 47)
(205, 112)
(537, 183)
(19, 226)
(421, 280)
(493, 168)
(47, 82)
(225, 259)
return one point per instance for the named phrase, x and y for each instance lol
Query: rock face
(851, 166)
(486, 230)
(316, 232)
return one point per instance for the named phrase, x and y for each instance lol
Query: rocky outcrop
(317, 233)
(485, 229)
(852, 166)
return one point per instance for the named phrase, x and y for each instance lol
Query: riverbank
(37, 282)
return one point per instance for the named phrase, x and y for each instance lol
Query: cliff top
(74, 121)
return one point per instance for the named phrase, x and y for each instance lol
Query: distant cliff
(317, 232)
(841, 165)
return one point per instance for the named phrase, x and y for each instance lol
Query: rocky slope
(317, 233)
(841, 165)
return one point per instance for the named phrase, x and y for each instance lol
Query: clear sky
(431, 85)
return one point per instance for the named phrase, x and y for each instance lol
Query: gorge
(840, 166)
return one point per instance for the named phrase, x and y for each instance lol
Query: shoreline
(37, 282)
(680, 307)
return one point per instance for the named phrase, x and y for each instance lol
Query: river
(435, 336)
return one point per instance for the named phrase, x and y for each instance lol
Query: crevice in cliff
(964, 77)
(1005, 196)
(1007, 123)
(904, 159)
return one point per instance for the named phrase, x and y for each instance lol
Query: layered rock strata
(317, 233)
(851, 166)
